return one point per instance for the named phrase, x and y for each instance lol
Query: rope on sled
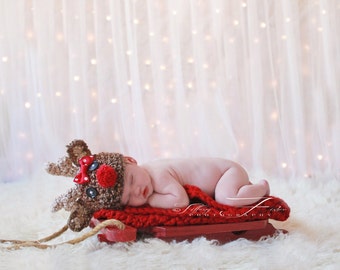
(17, 244)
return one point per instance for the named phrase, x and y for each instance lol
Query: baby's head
(99, 182)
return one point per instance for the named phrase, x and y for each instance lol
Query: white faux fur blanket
(313, 241)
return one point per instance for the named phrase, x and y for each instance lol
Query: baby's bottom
(235, 189)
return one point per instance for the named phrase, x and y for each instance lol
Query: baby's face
(137, 186)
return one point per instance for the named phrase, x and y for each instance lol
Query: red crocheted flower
(106, 176)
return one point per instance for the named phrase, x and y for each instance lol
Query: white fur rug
(313, 241)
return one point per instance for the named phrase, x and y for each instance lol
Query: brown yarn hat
(99, 182)
(103, 176)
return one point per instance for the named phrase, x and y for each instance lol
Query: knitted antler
(77, 149)
(64, 167)
(68, 166)
(66, 201)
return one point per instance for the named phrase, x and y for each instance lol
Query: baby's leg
(235, 189)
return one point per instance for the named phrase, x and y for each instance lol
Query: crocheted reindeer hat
(99, 182)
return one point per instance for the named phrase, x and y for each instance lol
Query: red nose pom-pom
(106, 176)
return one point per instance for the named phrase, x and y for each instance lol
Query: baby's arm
(173, 195)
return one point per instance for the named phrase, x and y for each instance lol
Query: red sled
(204, 217)
(223, 233)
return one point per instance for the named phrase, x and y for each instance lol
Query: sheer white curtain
(252, 81)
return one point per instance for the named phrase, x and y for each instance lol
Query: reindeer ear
(76, 150)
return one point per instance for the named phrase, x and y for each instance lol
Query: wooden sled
(223, 233)
(203, 217)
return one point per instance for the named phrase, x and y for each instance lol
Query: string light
(4, 59)
(22, 135)
(90, 37)
(147, 86)
(190, 60)
(59, 37)
(27, 105)
(274, 116)
(213, 84)
(29, 34)
(273, 83)
(29, 155)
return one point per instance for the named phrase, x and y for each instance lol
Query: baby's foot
(266, 185)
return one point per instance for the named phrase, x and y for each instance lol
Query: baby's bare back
(201, 172)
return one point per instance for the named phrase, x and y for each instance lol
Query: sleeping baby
(160, 183)
(109, 180)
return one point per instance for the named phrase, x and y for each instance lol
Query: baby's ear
(129, 160)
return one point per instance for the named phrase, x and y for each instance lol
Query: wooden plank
(225, 237)
(223, 233)
(176, 231)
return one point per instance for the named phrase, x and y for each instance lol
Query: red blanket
(202, 210)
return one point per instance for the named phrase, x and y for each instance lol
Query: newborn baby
(109, 180)
(160, 183)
